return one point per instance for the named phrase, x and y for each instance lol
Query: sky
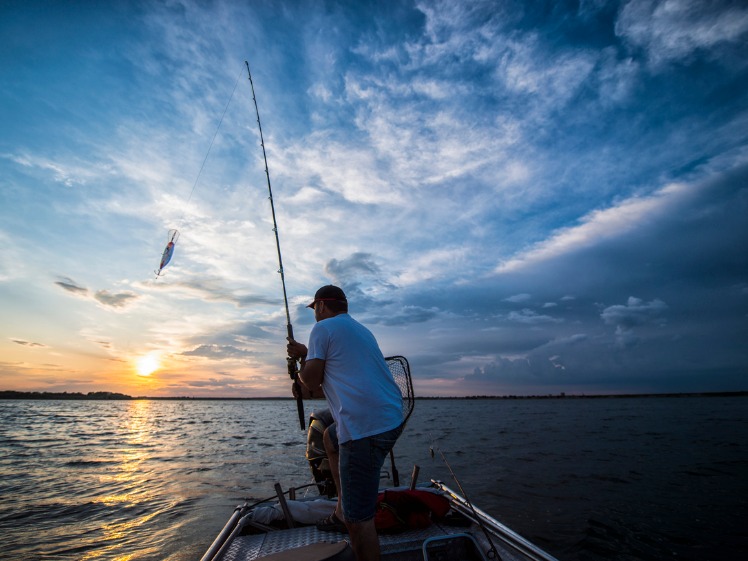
(522, 198)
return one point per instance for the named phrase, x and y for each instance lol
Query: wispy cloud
(218, 352)
(674, 30)
(71, 286)
(115, 300)
(65, 173)
(597, 226)
(112, 300)
(25, 343)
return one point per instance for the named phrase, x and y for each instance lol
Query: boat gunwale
(504, 533)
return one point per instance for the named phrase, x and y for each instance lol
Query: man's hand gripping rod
(293, 369)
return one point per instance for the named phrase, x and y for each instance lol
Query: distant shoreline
(112, 396)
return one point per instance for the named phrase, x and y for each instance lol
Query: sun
(148, 364)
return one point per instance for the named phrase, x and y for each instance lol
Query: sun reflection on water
(132, 494)
(133, 480)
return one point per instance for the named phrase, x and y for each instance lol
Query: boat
(420, 521)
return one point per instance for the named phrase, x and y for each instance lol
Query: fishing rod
(493, 552)
(293, 368)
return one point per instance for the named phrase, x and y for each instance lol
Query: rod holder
(414, 476)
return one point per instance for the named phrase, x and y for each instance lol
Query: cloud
(530, 317)
(221, 383)
(68, 175)
(556, 362)
(115, 300)
(356, 264)
(430, 265)
(524, 297)
(503, 369)
(635, 313)
(71, 286)
(361, 278)
(675, 29)
(213, 290)
(542, 365)
(598, 226)
(27, 343)
(404, 315)
(218, 352)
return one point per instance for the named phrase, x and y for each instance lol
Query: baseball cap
(328, 293)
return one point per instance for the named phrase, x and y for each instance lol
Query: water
(587, 479)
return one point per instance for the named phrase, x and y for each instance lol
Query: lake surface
(588, 479)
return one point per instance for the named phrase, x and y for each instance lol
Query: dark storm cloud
(405, 315)
(355, 272)
(355, 265)
(655, 304)
(634, 313)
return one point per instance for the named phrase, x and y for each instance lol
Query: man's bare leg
(333, 457)
(364, 540)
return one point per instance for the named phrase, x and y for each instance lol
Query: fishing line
(215, 134)
(493, 553)
(173, 234)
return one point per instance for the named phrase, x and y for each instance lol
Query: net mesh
(401, 373)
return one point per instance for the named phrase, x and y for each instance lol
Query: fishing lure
(168, 251)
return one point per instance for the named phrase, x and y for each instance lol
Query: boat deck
(405, 546)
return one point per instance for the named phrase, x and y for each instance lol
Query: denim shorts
(360, 465)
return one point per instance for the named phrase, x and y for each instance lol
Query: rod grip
(300, 411)
(294, 373)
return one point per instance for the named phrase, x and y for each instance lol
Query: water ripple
(587, 479)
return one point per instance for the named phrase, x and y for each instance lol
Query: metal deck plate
(249, 548)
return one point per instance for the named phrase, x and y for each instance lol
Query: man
(344, 359)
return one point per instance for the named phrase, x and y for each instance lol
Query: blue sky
(520, 197)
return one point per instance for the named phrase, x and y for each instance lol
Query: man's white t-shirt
(358, 385)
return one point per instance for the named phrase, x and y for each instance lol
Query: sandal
(332, 524)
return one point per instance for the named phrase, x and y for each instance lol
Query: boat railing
(508, 536)
(225, 533)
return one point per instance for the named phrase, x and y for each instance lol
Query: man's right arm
(311, 374)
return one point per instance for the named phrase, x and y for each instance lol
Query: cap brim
(311, 305)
